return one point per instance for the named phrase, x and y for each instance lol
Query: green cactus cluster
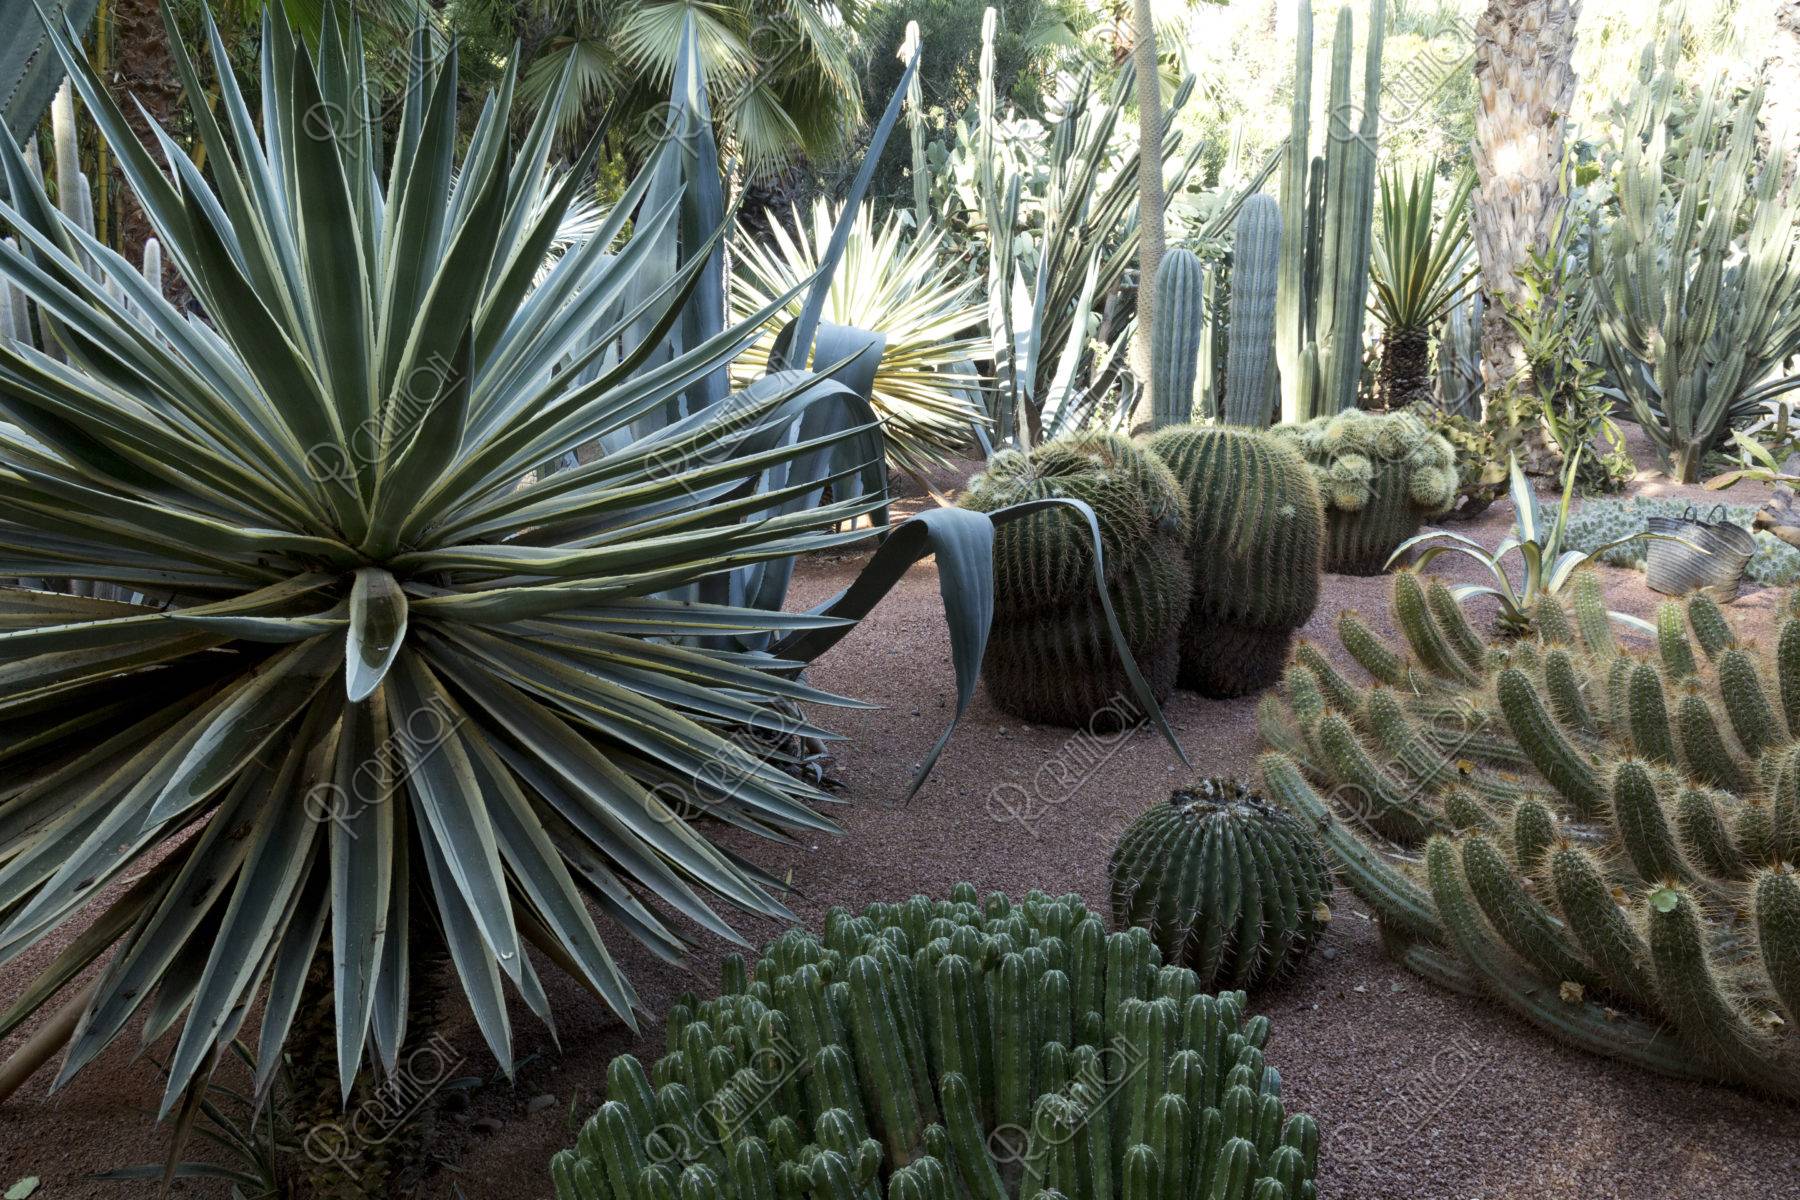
(1380, 476)
(1256, 535)
(969, 1049)
(1602, 840)
(1228, 884)
(1596, 523)
(1050, 658)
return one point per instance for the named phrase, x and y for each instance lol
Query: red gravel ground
(1421, 1094)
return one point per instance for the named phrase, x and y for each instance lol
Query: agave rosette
(301, 646)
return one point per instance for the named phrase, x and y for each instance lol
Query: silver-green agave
(303, 644)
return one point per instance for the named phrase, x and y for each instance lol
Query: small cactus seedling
(936, 1050)
(1228, 884)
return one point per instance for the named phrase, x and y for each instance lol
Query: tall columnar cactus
(1609, 838)
(932, 1050)
(1227, 884)
(1050, 657)
(1257, 532)
(1176, 333)
(1250, 361)
(1380, 475)
(1698, 278)
(1328, 215)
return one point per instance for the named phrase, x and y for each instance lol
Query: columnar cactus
(1175, 337)
(1328, 215)
(1050, 657)
(1380, 475)
(1257, 531)
(932, 1050)
(1227, 884)
(1250, 360)
(1609, 839)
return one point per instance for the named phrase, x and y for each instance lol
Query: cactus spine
(1254, 551)
(1250, 359)
(1132, 1082)
(1324, 276)
(1176, 333)
(1227, 884)
(1634, 893)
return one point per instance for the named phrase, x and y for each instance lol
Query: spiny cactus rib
(1253, 553)
(1371, 653)
(1156, 1083)
(1580, 1023)
(1227, 884)
(1709, 625)
(1175, 332)
(1454, 622)
(1050, 655)
(1550, 621)
(1591, 615)
(1551, 753)
(1250, 357)
(1672, 641)
(1787, 671)
(1522, 922)
(1703, 1013)
(1746, 703)
(1339, 692)
(1646, 858)
(1777, 904)
(1420, 628)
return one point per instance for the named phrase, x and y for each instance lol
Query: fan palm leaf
(926, 388)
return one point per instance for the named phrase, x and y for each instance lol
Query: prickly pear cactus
(1381, 475)
(1050, 658)
(1227, 884)
(1605, 841)
(1256, 535)
(935, 1050)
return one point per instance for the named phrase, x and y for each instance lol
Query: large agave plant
(302, 644)
(925, 388)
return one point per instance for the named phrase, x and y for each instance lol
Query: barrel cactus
(1257, 529)
(1603, 841)
(1380, 475)
(932, 1050)
(1227, 884)
(1050, 658)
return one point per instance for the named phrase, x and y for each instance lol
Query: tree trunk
(1405, 375)
(1781, 103)
(1150, 197)
(1526, 84)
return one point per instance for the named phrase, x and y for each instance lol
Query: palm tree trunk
(1526, 84)
(1150, 193)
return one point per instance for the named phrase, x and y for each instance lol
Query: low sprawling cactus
(935, 1050)
(1227, 884)
(1257, 531)
(1609, 839)
(1380, 475)
(1050, 657)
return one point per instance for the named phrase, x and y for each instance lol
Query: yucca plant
(926, 389)
(360, 666)
(1421, 267)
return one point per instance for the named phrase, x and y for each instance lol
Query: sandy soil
(1420, 1093)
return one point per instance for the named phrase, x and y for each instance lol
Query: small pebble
(538, 1104)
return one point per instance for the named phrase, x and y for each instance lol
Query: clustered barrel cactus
(935, 1050)
(1050, 656)
(1380, 475)
(1603, 841)
(1227, 884)
(1257, 528)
